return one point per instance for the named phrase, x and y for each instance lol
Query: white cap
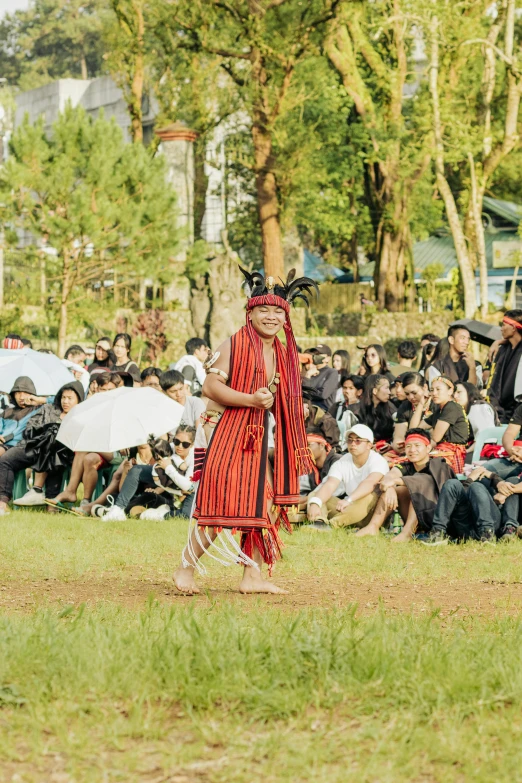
(362, 431)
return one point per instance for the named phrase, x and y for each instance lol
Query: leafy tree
(370, 45)
(475, 88)
(259, 44)
(52, 39)
(98, 206)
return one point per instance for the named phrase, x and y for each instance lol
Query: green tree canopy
(95, 204)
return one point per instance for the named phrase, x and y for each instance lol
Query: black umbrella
(482, 333)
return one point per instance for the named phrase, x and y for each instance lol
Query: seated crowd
(393, 442)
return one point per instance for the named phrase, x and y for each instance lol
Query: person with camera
(320, 379)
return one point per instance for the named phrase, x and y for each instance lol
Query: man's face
(153, 381)
(507, 330)
(267, 320)
(69, 400)
(416, 450)
(178, 393)
(108, 387)
(317, 450)
(460, 340)
(357, 446)
(201, 353)
(350, 393)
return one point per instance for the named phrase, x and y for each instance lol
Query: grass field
(385, 663)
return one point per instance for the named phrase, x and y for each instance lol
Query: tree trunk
(138, 79)
(83, 66)
(200, 186)
(459, 240)
(477, 236)
(267, 201)
(64, 297)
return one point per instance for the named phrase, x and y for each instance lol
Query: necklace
(274, 382)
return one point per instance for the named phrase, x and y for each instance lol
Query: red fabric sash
(233, 487)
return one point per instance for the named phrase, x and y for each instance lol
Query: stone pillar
(176, 144)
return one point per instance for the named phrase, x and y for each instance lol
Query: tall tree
(475, 88)
(52, 39)
(370, 45)
(98, 205)
(259, 43)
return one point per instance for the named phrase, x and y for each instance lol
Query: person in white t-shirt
(358, 474)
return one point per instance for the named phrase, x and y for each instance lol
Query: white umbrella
(119, 419)
(44, 369)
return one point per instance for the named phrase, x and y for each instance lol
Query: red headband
(511, 322)
(416, 436)
(13, 344)
(268, 299)
(313, 438)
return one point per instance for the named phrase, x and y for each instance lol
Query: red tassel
(196, 476)
(254, 436)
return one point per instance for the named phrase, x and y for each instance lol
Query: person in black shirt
(459, 364)
(416, 391)
(375, 362)
(501, 385)
(321, 381)
(448, 423)
(376, 410)
(413, 487)
(352, 388)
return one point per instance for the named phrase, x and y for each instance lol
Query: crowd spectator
(376, 411)
(104, 358)
(15, 418)
(503, 388)
(320, 422)
(191, 365)
(174, 386)
(357, 475)
(459, 363)
(321, 380)
(150, 376)
(480, 413)
(412, 487)
(406, 355)
(375, 362)
(121, 348)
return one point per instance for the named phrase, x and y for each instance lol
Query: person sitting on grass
(39, 450)
(15, 418)
(413, 487)
(319, 421)
(357, 475)
(324, 457)
(174, 386)
(448, 423)
(484, 507)
(138, 456)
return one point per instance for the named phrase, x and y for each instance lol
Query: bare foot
(402, 538)
(184, 581)
(369, 530)
(256, 584)
(64, 497)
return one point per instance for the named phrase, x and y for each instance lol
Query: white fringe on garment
(224, 548)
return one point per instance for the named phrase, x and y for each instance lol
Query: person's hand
(311, 371)
(399, 446)
(342, 505)
(516, 454)
(164, 463)
(499, 499)
(505, 488)
(390, 499)
(478, 473)
(2, 440)
(469, 358)
(263, 399)
(312, 512)
(387, 482)
(494, 349)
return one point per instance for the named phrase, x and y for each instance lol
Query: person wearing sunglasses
(176, 479)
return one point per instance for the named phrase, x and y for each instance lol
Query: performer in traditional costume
(250, 376)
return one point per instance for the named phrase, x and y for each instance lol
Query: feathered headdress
(257, 285)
